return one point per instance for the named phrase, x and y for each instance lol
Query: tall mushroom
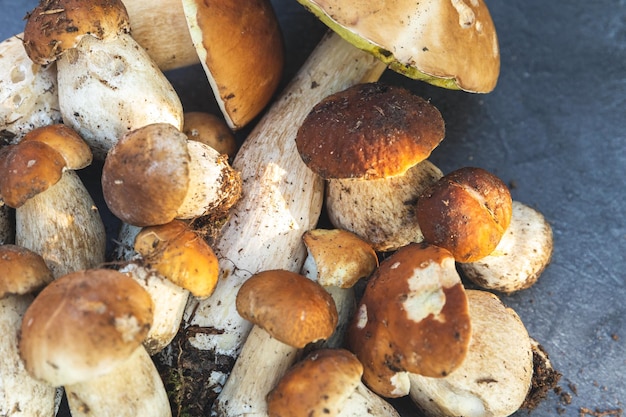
(107, 83)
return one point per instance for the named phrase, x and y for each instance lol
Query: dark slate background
(555, 128)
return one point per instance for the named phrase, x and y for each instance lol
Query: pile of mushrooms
(333, 135)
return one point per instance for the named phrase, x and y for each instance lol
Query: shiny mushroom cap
(84, 324)
(413, 317)
(23, 271)
(55, 26)
(211, 130)
(290, 307)
(179, 254)
(451, 44)
(369, 131)
(66, 141)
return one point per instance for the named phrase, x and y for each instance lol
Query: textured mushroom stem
(345, 301)
(63, 225)
(7, 225)
(281, 197)
(28, 97)
(22, 395)
(261, 364)
(132, 389)
(364, 402)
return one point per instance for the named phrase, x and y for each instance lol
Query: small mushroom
(211, 130)
(154, 174)
(55, 215)
(412, 318)
(327, 382)
(495, 376)
(371, 142)
(107, 83)
(23, 274)
(84, 331)
(289, 311)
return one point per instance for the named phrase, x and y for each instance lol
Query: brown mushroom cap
(145, 176)
(413, 317)
(66, 141)
(27, 169)
(23, 271)
(290, 307)
(55, 26)
(451, 44)
(317, 385)
(231, 38)
(211, 130)
(84, 324)
(467, 212)
(180, 255)
(369, 131)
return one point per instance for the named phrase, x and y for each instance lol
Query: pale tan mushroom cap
(340, 258)
(55, 26)
(452, 44)
(240, 46)
(318, 385)
(290, 307)
(179, 254)
(23, 271)
(64, 140)
(84, 324)
(211, 130)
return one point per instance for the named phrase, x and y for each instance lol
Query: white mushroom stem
(21, 394)
(63, 225)
(109, 88)
(281, 197)
(28, 92)
(132, 389)
(365, 402)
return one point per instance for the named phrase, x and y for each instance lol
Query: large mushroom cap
(290, 307)
(84, 324)
(452, 44)
(23, 270)
(55, 26)
(369, 131)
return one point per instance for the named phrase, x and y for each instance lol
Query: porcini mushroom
(209, 129)
(154, 174)
(107, 83)
(289, 311)
(495, 376)
(23, 274)
(413, 318)
(327, 382)
(55, 215)
(84, 331)
(371, 142)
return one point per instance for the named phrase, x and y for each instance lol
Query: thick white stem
(281, 197)
(364, 402)
(345, 301)
(63, 225)
(20, 394)
(132, 389)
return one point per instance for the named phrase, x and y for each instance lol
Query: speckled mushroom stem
(281, 197)
(7, 225)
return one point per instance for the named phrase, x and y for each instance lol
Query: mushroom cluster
(371, 306)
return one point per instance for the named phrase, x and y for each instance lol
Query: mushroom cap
(211, 130)
(290, 307)
(66, 141)
(467, 212)
(23, 271)
(451, 44)
(317, 385)
(369, 131)
(231, 38)
(54, 26)
(412, 317)
(340, 258)
(179, 254)
(83, 324)
(27, 169)
(145, 176)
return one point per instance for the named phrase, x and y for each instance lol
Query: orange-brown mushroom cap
(84, 324)
(64, 140)
(413, 317)
(55, 26)
(290, 307)
(317, 385)
(369, 131)
(23, 271)
(180, 255)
